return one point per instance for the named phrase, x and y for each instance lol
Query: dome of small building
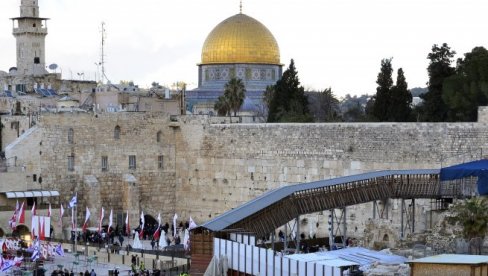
(240, 39)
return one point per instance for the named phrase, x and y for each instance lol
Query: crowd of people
(115, 237)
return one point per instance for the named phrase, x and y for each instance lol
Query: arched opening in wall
(159, 136)
(21, 231)
(117, 133)
(150, 225)
(150, 221)
(2, 233)
(386, 238)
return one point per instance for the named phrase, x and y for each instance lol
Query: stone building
(30, 74)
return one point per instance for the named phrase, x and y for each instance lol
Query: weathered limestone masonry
(210, 167)
(146, 187)
(222, 166)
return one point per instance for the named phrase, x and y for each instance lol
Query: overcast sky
(335, 43)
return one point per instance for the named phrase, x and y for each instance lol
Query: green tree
(289, 103)
(353, 108)
(472, 215)
(382, 99)
(233, 98)
(324, 106)
(467, 89)
(400, 100)
(222, 106)
(434, 108)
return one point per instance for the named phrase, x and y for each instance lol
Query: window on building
(104, 163)
(71, 163)
(70, 135)
(160, 162)
(132, 162)
(117, 133)
(158, 137)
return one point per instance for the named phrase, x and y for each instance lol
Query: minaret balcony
(34, 30)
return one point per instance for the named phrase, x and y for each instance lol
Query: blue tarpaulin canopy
(476, 168)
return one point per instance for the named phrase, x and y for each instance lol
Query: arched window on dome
(117, 133)
(159, 136)
(71, 134)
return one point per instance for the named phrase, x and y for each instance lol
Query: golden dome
(240, 39)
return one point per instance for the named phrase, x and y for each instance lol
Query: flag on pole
(33, 210)
(49, 210)
(127, 226)
(73, 202)
(110, 220)
(174, 224)
(7, 265)
(22, 213)
(36, 254)
(102, 214)
(61, 212)
(73, 219)
(33, 231)
(158, 230)
(141, 233)
(41, 228)
(87, 217)
(192, 224)
(162, 240)
(12, 222)
(59, 250)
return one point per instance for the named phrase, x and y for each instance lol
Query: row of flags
(156, 234)
(46, 250)
(39, 250)
(18, 216)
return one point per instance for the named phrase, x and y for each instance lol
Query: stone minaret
(30, 32)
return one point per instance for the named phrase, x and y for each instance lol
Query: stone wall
(93, 137)
(222, 166)
(211, 168)
(13, 127)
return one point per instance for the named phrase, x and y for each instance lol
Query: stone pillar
(131, 199)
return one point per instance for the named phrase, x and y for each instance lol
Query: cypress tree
(401, 100)
(289, 103)
(382, 99)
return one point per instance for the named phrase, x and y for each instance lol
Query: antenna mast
(102, 57)
(240, 7)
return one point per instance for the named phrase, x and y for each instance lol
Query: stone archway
(150, 221)
(21, 231)
(150, 225)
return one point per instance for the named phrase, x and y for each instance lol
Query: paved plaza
(102, 262)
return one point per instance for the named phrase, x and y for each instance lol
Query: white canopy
(25, 194)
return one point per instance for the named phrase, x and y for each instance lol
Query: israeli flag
(7, 265)
(72, 202)
(35, 255)
(59, 250)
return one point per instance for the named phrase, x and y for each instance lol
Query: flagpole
(76, 228)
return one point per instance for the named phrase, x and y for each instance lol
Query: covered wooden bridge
(264, 214)
(275, 208)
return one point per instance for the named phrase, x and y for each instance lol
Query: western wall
(211, 165)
